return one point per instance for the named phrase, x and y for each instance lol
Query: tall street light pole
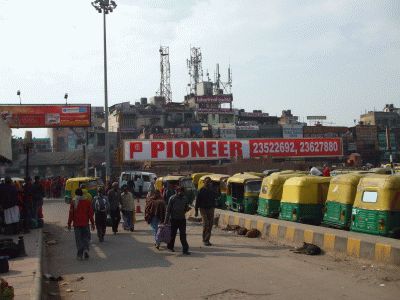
(105, 7)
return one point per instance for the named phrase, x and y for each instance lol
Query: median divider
(358, 245)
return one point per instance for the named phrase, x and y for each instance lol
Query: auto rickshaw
(271, 193)
(92, 183)
(303, 199)
(340, 199)
(196, 177)
(219, 183)
(242, 193)
(183, 181)
(376, 209)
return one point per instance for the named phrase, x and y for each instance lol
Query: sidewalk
(25, 272)
(358, 245)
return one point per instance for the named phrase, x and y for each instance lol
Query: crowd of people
(168, 206)
(21, 205)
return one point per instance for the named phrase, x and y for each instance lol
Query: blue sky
(335, 58)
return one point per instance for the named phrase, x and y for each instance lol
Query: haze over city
(333, 58)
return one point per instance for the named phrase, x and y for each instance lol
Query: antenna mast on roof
(195, 68)
(221, 87)
(165, 85)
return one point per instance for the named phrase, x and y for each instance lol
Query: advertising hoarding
(161, 150)
(214, 99)
(46, 116)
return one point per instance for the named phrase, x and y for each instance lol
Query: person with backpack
(80, 213)
(101, 206)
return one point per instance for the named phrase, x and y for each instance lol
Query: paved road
(127, 266)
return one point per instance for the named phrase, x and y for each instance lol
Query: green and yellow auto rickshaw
(269, 200)
(376, 209)
(91, 183)
(242, 193)
(196, 177)
(340, 199)
(219, 183)
(303, 199)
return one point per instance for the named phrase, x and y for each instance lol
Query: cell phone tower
(165, 84)
(222, 86)
(195, 69)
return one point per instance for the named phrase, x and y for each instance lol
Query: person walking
(140, 184)
(101, 208)
(128, 209)
(80, 213)
(114, 199)
(37, 199)
(176, 209)
(205, 201)
(154, 213)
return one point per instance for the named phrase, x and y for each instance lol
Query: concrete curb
(352, 244)
(36, 291)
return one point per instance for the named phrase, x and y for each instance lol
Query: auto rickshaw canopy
(306, 190)
(272, 186)
(343, 188)
(242, 178)
(378, 192)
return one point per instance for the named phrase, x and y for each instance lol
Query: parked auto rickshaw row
(356, 201)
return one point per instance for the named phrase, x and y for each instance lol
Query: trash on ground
(51, 242)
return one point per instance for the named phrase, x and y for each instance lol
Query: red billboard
(156, 150)
(46, 116)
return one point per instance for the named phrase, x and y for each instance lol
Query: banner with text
(156, 150)
(46, 116)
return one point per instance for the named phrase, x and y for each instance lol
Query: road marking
(289, 235)
(308, 236)
(353, 247)
(382, 252)
(247, 224)
(273, 231)
(329, 241)
(100, 253)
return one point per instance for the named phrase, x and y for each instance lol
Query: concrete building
(389, 117)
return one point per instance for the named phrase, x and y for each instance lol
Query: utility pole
(105, 7)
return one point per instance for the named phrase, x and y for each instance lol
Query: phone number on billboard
(299, 148)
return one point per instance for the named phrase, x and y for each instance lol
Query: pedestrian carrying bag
(163, 233)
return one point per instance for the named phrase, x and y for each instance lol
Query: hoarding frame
(250, 142)
(60, 106)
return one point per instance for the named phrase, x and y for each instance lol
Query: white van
(135, 176)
